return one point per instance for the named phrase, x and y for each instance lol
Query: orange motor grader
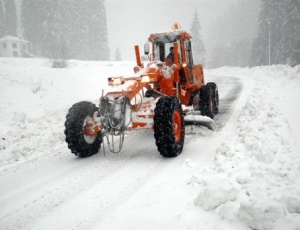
(164, 96)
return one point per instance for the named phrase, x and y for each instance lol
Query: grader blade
(197, 119)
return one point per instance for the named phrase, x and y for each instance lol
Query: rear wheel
(213, 87)
(206, 102)
(80, 128)
(169, 127)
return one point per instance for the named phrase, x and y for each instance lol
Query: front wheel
(169, 127)
(81, 130)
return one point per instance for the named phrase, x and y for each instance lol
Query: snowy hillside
(245, 175)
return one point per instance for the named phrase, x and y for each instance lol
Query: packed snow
(243, 175)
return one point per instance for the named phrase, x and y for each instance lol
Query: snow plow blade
(200, 120)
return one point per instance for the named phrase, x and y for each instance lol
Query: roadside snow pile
(255, 178)
(35, 98)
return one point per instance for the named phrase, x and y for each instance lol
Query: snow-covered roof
(13, 38)
(168, 36)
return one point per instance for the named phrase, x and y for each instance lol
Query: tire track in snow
(230, 89)
(50, 199)
(126, 185)
(228, 101)
(47, 199)
(111, 192)
(94, 184)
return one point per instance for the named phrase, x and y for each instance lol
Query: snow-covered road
(244, 175)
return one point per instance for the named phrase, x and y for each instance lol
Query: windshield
(162, 50)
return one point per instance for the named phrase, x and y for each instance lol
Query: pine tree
(291, 32)
(118, 55)
(275, 22)
(278, 40)
(66, 29)
(260, 50)
(53, 37)
(105, 51)
(2, 21)
(198, 47)
(97, 31)
(11, 17)
(78, 30)
(75, 29)
(233, 34)
(32, 23)
(44, 26)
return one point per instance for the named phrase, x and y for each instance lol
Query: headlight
(145, 79)
(115, 81)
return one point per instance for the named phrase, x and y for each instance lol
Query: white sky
(130, 22)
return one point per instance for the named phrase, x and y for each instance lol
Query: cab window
(162, 50)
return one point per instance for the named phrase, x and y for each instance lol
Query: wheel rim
(177, 125)
(88, 130)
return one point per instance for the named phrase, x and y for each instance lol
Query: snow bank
(255, 178)
(212, 195)
(35, 98)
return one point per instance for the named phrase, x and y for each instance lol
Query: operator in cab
(167, 81)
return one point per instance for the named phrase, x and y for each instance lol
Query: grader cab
(164, 96)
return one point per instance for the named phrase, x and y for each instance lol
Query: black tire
(169, 127)
(75, 138)
(213, 87)
(206, 102)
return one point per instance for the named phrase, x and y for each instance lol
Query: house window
(15, 54)
(4, 45)
(14, 45)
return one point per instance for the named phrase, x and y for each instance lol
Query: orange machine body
(182, 80)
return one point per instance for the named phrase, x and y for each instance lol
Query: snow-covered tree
(118, 55)
(197, 44)
(32, 24)
(278, 36)
(86, 30)
(97, 31)
(66, 29)
(53, 36)
(268, 44)
(43, 26)
(291, 32)
(233, 32)
(75, 29)
(11, 17)
(2, 21)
